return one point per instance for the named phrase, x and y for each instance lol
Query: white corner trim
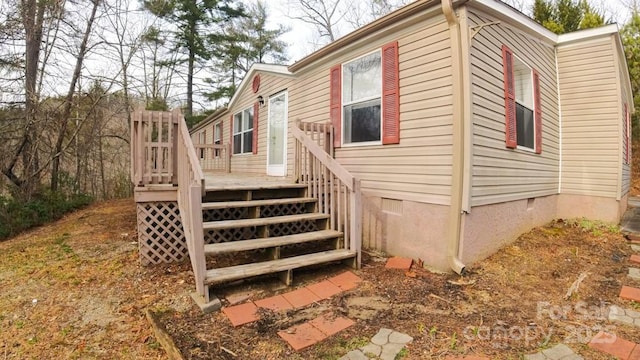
(560, 162)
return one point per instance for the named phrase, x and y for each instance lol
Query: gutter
(458, 173)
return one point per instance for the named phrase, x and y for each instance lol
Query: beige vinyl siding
(501, 174)
(590, 118)
(419, 167)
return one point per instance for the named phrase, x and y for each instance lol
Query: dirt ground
(74, 289)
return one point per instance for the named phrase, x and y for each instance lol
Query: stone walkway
(385, 345)
(558, 352)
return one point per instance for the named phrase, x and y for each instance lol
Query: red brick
(301, 297)
(612, 345)
(324, 289)
(630, 293)
(399, 263)
(275, 303)
(635, 354)
(635, 258)
(330, 324)
(241, 314)
(302, 336)
(346, 281)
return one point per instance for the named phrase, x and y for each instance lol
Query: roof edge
(586, 34)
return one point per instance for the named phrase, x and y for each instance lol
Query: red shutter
(335, 103)
(537, 111)
(626, 134)
(231, 134)
(254, 136)
(511, 135)
(390, 94)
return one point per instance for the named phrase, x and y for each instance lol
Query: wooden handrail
(190, 191)
(337, 191)
(327, 160)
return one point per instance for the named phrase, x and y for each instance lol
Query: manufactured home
(439, 132)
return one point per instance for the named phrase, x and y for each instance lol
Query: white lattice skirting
(160, 235)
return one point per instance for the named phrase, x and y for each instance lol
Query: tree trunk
(32, 14)
(189, 110)
(55, 164)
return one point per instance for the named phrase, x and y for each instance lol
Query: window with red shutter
(365, 98)
(523, 107)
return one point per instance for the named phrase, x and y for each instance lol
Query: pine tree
(563, 16)
(197, 25)
(247, 41)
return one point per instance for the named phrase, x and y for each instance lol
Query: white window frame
(242, 131)
(217, 138)
(202, 139)
(533, 103)
(343, 103)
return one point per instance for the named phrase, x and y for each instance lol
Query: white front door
(277, 135)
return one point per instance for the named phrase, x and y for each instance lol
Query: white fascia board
(506, 11)
(587, 34)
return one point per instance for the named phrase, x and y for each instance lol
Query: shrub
(17, 216)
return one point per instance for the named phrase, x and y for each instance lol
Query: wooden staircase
(225, 216)
(276, 222)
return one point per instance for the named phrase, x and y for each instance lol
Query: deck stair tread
(252, 203)
(253, 244)
(255, 269)
(255, 187)
(228, 224)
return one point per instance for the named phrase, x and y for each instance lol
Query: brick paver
(399, 263)
(301, 297)
(635, 354)
(275, 303)
(635, 258)
(630, 293)
(612, 344)
(302, 336)
(241, 314)
(346, 281)
(324, 289)
(330, 324)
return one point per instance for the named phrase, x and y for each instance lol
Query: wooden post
(197, 232)
(356, 222)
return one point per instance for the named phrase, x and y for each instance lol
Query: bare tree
(360, 13)
(323, 15)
